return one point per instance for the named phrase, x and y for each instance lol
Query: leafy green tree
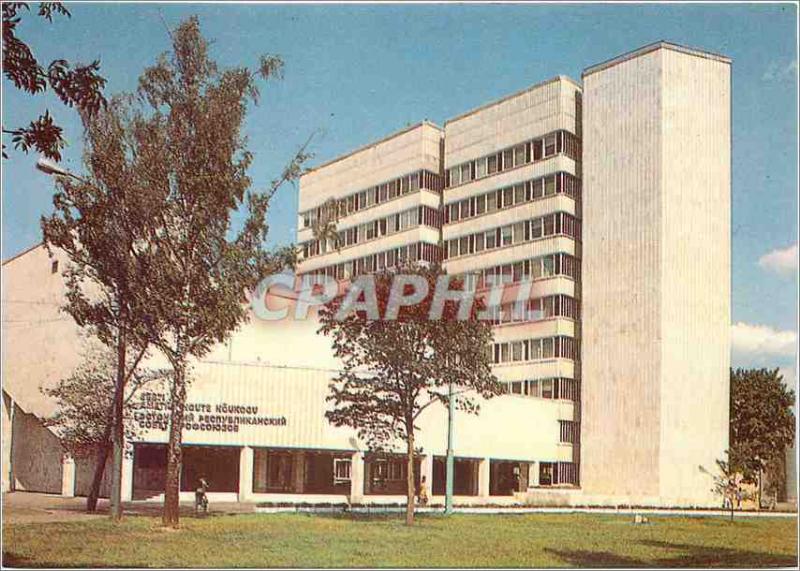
(762, 422)
(100, 220)
(726, 485)
(393, 369)
(199, 267)
(324, 228)
(86, 397)
(77, 86)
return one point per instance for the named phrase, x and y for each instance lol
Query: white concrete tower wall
(656, 268)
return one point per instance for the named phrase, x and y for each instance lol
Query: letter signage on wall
(152, 412)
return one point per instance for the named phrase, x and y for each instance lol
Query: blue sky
(358, 72)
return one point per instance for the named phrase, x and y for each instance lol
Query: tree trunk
(758, 491)
(411, 491)
(100, 468)
(171, 516)
(118, 433)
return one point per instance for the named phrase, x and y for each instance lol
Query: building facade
(607, 201)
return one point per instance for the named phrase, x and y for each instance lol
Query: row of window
(411, 218)
(378, 194)
(556, 388)
(510, 234)
(525, 270)
(516, 156)
(569, 431)
(535, 349)
(534, 189)
(536, 309)
(554, 473)
(417, 252)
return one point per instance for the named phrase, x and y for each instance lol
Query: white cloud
(780, 72)
(762, 340)
(781, 261)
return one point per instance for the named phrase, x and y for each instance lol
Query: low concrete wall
(84, 474)
(36, 455)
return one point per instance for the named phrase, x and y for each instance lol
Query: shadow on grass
(707, 556)
(689, 556)
(585, 558)
(13, 560)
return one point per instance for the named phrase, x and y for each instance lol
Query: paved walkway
(31, 507)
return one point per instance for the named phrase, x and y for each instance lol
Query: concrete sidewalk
(32, 507)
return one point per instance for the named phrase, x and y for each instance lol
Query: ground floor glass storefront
(329, 472)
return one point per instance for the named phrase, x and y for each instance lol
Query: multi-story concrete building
(386, 201)
(626, 246)
(512, 215)
(606, 202)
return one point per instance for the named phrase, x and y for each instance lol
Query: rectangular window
(491, 164)
(519, 193)
(535, 349)
(550, 224)
(548, 266)
(480, 205)
(490, 239)
(504, 352)
(519, 155)
(508, 197)
(519, 232)
(550, 145)
(550, 186)
(537, 187)
(491, 202)
(454, 212)
(466, 172)
(548, 351)
(464, 245)
(538, 148)
(547, 388)
(465, 210)
(505, 233)
(479, 243)
(341, 470)
(536, 228)
(413, 182)
(508, 159)
(455, 176)
(480, 167)
(516, 351)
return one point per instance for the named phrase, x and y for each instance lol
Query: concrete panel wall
(538, 110)
(415, 148)
(507, 427)
(36, 455)
(656, 267)
(695, 291)
(622, 229)
(6, 420)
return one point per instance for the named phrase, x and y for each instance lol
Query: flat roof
(650, 48)
(374, 143)
(513, 95)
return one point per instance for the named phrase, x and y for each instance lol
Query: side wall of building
(622, 226)
(36, 455)
(695, 327)
(656, 275)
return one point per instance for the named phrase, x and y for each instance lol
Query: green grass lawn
(299, 540)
